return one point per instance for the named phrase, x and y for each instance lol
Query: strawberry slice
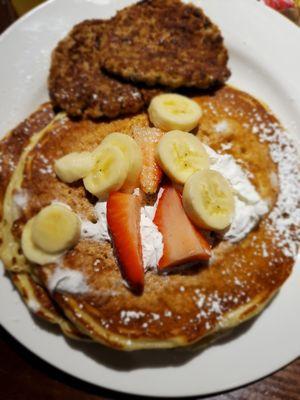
(151, 174)
(183, 244)
(280, 5)
(123, 219)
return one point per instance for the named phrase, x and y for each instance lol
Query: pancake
(41, 305)
(182, 308)
(165, 42)
(13, 202)
(78, 86)
(12, 148)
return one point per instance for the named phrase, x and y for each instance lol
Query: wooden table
(24, 376)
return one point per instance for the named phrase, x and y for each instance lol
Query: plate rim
(3, 36)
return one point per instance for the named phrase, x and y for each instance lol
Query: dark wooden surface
(23, 376)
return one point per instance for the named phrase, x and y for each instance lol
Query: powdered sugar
(20, 200)
(285, 216)
(131, 316)
(128, 316)
(221, 126)
(34, 306)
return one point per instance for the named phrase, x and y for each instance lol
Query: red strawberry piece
(151, 174)
(123, 219)
(183, 243)
(280, 4)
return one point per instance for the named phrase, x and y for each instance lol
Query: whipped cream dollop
(152, 241)
(249, 206)
(96, 231)
(67, 280)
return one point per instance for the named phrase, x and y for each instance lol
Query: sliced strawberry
(183, 243)
(280, 5)
(151, 174)
(123, 219)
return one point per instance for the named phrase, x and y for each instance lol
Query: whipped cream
(67, 281)
(152, 241)
(96, 231)
(249, 207)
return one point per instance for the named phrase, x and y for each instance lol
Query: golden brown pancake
(181, 308)
(11, 150)
(12, 146)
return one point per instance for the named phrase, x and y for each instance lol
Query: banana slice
(173, 111)
(208, 200)
(180, 154)
(55, 228)
(109, 172)
(131, 152)
(32, 252)
(74, 166)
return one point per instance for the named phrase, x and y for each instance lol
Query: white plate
(264, 61)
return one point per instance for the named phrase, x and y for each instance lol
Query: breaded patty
(77, 85)
(165, 42)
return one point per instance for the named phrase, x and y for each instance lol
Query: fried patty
(77, 85)
(165, 42)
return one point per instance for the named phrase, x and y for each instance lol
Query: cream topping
(152, 242)
(67, 280)
(249, 207)
(96, 231)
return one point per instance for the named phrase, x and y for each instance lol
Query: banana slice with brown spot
(132, 153)
(180, 154)
(109, 173)
(208, 200)
(173, 111)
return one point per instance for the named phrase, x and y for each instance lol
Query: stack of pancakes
(181, 308)
(174, 310)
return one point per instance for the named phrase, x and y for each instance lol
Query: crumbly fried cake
(182, 308)
(165, 42)
(77, 84)
(11, 150)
